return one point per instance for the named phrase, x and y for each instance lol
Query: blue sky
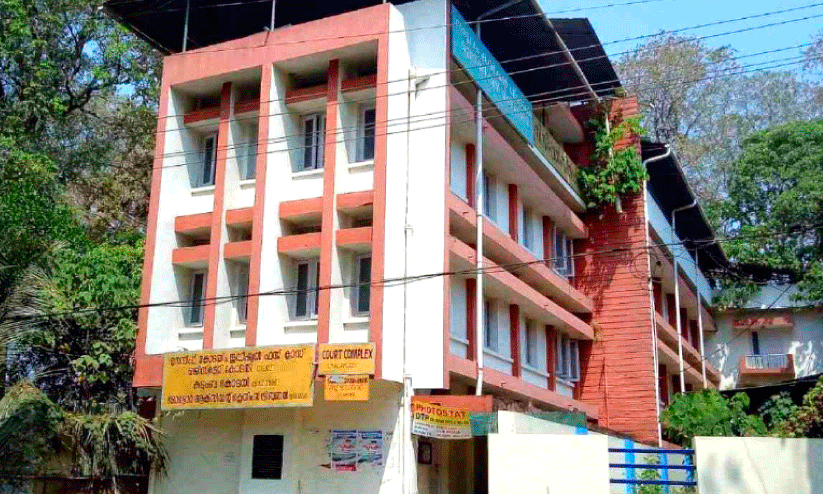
(613, 23)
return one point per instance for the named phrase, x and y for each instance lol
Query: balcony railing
(555, 154)
(770, 364)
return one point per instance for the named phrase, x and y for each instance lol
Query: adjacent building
(773, 339)
(316, 180)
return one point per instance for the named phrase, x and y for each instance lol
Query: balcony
(775, 365)
(674, 247)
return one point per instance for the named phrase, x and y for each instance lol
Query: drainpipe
(677, 298)
(186, 26)
(700, 326)
(479, 305)
(646, 163)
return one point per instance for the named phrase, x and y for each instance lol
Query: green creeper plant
(614, 173)
(807, 420)
(708, 413)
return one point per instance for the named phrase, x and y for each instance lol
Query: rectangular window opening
(367, 135)
(209, 161)
(314, 135)
(362, 294)
(242, 293)
(198, 290)
(267, 457)
(305, 306)
(489, 326)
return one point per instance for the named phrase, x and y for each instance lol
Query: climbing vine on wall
(613, 173)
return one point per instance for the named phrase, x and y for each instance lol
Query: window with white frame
(314, 134)
(248, 158)
(241, 282)
(531, 344)
(196, 295)
(307, 277)
(563, 254)
(528, 229)
(567, 359)
(490, 326)
(489, 197)
(208, 161)
(366, 126)
(362, 292)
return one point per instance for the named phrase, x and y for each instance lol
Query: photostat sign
(239, 378)
(440, 422)
(346, 359)
(347, 388)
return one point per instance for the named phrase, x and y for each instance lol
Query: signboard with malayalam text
(470, 52)
(239, 378)
(346, 359)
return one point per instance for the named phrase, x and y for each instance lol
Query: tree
(708, 413)
(78, 355)
(807, 420)
(775, 203)
(701, 101)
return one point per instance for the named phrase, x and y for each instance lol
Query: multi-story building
(772, 339)
(315, 182)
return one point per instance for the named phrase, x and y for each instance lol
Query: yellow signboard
(441, 422)
(346, 359)
(347, 388)
(239, 378)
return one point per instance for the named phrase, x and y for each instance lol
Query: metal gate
(631, 466)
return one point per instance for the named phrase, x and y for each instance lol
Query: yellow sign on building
(347, 388)
(239, 378)
(432, 420)
(346, 359)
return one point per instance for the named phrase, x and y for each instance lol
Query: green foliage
(649, 474)
(615, 173)
(777, 410)
(36, 434)
(775, 204)
(708, 413)
(81, 358)
(807, 420)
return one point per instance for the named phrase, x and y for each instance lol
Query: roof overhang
(670, 189)
(518, 35)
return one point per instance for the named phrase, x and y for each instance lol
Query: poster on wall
(346, 388)
(239, 378)
(430, 420)
(370, 448)
(343, 450)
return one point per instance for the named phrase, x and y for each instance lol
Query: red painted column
(684, 325)
(471, 315)
(551, 355)
(259, 201)
(514, 218)
(657, 288)
(471, 171)
(672, 308)
(328, 212)
(514, 330)
(215, 242)
(379, 214)
(548, 241)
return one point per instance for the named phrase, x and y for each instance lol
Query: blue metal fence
(630, 466)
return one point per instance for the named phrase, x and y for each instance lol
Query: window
(305, 306)
(198, 290)
(314, 133)
(208, 155)
(362, 292)
(267, 457)
(531, 345)
(489, 198)
(567, 361)
(242, 292)
(528, 240)
(489, 326)
(366, 129)
(755, 343)
(563, 254)
(248, 159)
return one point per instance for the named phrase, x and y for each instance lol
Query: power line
(399, 281)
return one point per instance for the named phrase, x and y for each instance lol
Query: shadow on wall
(759, 465)
(807, 357)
